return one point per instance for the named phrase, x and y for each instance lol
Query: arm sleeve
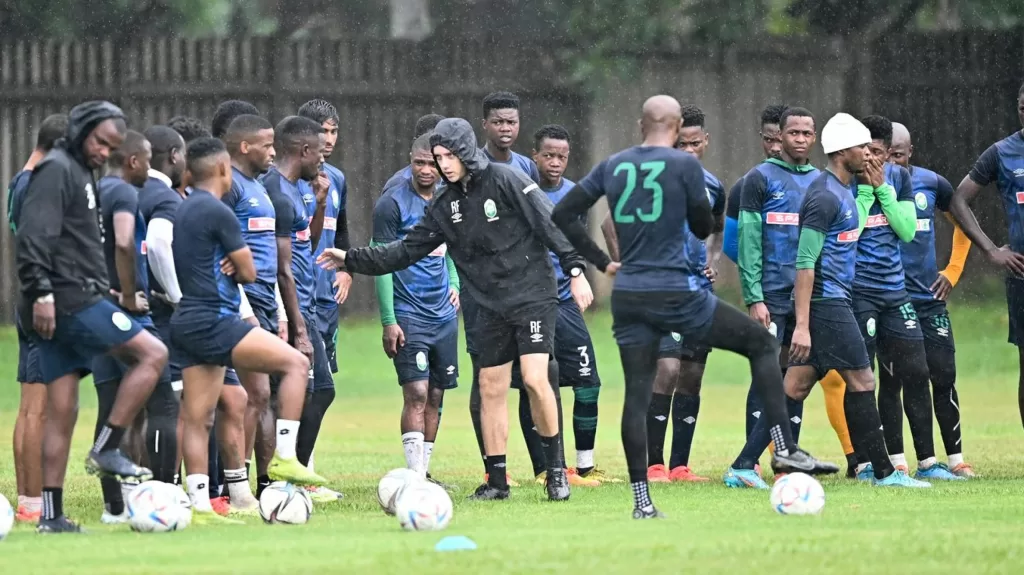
(961, 243)
(807, 252)
(566, 216)
(816, 216)
(986, 169)
(453, 274)
(750, 250)
(730, 238)
(901, 214)
(536, 208)
(159, 252)
(39, 226)
(385, 288)
(424, 238)
(387, 221)
(699, 213)
(341, 239)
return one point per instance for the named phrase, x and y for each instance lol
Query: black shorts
(107, 368)
(644, 318)
(82, 336)
(836, 341)
(206, 338)
(672, 346)
(327, 321)
(501, 338)
(882, 315)
(1015, 307)
(29, 369)
(320, 377)
(574, 350)
(934, 318)
(431, 352)
(783, 316)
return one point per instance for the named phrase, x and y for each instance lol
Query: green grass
(973, 527)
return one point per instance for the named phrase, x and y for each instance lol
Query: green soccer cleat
(293, 472)
(211, 518)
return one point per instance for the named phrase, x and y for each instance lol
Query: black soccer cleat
(653, 513)
(851, 466)
(799, 461)
(113, 463)
(487, 493)
(557, 484)
(59, 525)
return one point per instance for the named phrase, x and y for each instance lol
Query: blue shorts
(107, 368)
(882, 315)
(81, 336)
(204, 338)
(266, 316)
(327, 321)
(672, 346)
(574, 350)
(836, 341)
(431, 352)
(783, 315)
(174, 368)
(29, 370)
(644, 318)
(1015, 309)
(935, 324)
(320, 376)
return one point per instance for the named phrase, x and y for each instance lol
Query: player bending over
(655, 192)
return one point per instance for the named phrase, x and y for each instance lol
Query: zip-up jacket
(496, 223)
(59, 239)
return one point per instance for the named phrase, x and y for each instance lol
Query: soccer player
(424, 125)
(188, 128)
(299, 143)
(496, 224)
(826, 337)
(210, 256)
(929, 287)
(61, 267)
(28, 427)
(574, 350)
(418, 310)
(768, 235)
(124, 246)
(886, 315)
(501, 129)
(646, 302)
(1000, 164)
(679, 388)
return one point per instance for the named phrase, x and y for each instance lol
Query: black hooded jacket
(59, 240)
(496, 223)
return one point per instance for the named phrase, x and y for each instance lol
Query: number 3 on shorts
(652, 171)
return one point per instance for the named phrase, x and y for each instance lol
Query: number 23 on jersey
(648, 203)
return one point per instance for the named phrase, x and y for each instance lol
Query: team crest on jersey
(335, 198)
(490, 210)
(121, 321)
(870, 326)
(678, 338)
(308, 198)
(421, 361)
(921, 201)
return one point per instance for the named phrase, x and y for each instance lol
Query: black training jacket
(497, 225)
(59, 240)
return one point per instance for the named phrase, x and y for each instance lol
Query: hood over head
(83, 119)
(457, 135)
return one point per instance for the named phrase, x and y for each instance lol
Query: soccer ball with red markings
(157, 507)
(797, 494)
(423, 506)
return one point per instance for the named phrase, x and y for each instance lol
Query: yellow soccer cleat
(577, 480)
(599, 475)
(291, 471)
(321, 495)
(211, 518)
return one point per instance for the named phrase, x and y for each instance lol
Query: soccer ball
(391, 484)
(283, 502)
(423, 506)
(158, 507)
(797, 494)
(6, 517)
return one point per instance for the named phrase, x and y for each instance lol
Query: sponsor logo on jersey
(142, 248)
(330, 223)
(1020, 197)
(783, 219)
(261, 224)
(877, 221)
(848, 236)
(303, 235)
(924, 225)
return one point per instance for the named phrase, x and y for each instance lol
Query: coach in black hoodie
(64, 283)
(496, 223)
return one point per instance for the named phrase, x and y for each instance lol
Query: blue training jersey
(15, 196)
(292, 221)
(519, 161)
(1003, 164)
(420, 290)
(776, 191)
(205, 233)
(336, 198)
(931, 192)
(561, 280)
(879, 263)
(255, 213)
(116, 197)
(696, 248)
(651, 190)
(397, 178)
(831, 208)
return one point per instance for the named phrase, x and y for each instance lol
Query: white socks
(412, 442)
(239, 491)
(199, 491)
(956, 459)
(585, 459)
(926, 463)
(898, 459)
(311, 457)
(428, 450)
(287, 435)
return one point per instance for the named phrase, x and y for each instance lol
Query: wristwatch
(576, 272)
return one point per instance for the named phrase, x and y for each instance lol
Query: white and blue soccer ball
(6, 517)
(797, 494)
(282, 502)
(391, 484)
(157, 507)
(423, 506)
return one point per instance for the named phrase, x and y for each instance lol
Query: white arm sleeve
(159, 237)
(282, 314)
(244, 309)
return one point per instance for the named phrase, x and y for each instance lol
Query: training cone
(455, 543)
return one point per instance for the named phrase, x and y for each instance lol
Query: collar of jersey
(160, 176)
(800, 169)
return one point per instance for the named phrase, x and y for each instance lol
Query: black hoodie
(496, 223)
(59, 241)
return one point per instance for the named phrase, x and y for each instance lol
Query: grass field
(972, 527)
